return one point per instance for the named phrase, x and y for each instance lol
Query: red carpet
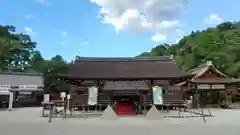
(125, 109)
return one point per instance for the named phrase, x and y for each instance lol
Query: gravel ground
(27, 121)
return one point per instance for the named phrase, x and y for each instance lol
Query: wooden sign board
(28, 87)
(208, 87)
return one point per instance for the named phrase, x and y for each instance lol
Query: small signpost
(68, 102)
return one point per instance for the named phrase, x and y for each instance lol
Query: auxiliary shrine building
(20, 89)
(133, 85)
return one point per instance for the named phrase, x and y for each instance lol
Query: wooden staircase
(124, 109)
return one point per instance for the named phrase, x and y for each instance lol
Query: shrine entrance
(126, 105)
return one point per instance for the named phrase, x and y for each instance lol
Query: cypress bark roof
(203, 68)
(124, 68)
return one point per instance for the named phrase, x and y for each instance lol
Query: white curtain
(92, 95)
(157, 95)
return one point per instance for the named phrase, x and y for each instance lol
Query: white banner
(46, 98)
(157, 95)
(218, 86)
(28, 87)
(92, 95)
(25, 93)
(203, 86)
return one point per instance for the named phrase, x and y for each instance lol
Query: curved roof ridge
(202, 68)
(158, 58)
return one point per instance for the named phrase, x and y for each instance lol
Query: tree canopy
(220, 44)
(18, 54)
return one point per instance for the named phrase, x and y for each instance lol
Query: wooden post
(43, 109)
(218, 98)
(70, 107)
(65, 109)
(100, 87)
(51, 113)
(198, 106)
(197, 97)
(141, 102)
(226, 95)
(109, 99)
(144, 103)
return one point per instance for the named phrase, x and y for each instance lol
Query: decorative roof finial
(209, 63)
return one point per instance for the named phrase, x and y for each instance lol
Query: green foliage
(18, 53)
(51, 69)
(15, 49)
(220, 45)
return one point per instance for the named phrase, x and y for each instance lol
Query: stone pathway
(27, 121)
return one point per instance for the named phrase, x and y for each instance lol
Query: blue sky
(124, 28)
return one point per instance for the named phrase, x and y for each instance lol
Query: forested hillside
(220, 44)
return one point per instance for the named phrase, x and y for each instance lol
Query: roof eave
(123, 78)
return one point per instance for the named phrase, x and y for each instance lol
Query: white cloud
(137, 16)
(84, 43)
(213, 19)
(62, 42)
(45, 2)
(177, 40)
(163, 36)
(28, 16)
(179, 33)
(168, 24)
(158, 37)
(29, 31)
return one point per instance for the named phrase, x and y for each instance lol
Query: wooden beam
(100, 83)
(149, 83)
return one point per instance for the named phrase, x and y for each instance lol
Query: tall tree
(52, 68)
(7, 48)
(15, 49)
